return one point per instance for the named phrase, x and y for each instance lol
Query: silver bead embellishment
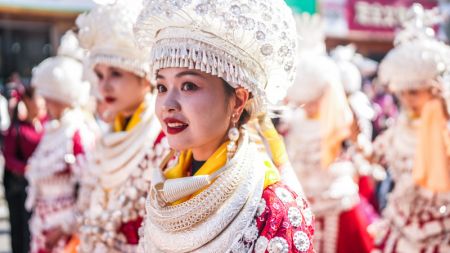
(278, 245)
(301, 241)
(284, 195)
(295, 217)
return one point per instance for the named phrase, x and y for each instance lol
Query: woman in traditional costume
(53, 169)
(122, 160)
(20, 141)
(416, 148)
(316, 132)
(359, 145)
(217, 64)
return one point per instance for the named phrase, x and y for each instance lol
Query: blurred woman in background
(20, 141)
(53, 172)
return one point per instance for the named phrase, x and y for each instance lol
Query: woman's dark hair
(229, 91)
(27, 92)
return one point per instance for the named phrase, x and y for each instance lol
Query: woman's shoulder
(285, 221)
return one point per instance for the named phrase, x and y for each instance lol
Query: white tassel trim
(197, 55)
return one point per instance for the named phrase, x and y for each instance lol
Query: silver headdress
(248, 43)
(418, 59)
(107, 33)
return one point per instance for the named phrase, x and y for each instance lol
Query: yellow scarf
(119, 121)
(431, 165)
(214, 163)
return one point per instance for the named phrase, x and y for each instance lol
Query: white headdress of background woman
(351, 78)
(418, 56)
(110, 39)
(61, 77)
(312, 61)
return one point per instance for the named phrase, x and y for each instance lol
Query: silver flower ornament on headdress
(248, 43)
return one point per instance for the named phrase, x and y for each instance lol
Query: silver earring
(233, 135)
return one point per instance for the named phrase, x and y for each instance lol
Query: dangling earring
(233, 135)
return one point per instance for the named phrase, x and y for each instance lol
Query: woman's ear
(242, 96)
(147, 84)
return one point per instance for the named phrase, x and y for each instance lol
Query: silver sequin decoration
(301, 241)
(295, 217)
(278, 245)
(284, 195)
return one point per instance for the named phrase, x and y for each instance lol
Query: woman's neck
(129, 112)
(204, 152)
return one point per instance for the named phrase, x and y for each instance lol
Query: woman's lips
(175, 126)
(110, 100)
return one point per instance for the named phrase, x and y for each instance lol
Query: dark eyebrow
(183, 73)
(189, 73)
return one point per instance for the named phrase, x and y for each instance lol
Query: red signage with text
(380, 15)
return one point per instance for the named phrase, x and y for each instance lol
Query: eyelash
(161, 88)
(99, 76)
(194, 87)
(116, 74)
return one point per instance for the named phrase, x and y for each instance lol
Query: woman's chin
(177, 144)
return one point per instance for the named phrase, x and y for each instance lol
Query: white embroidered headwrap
(248, 43)
(61, 77)
(418, 57)
(107, 33)
(350, 75)
(316, 71)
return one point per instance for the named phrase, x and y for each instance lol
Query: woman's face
(122, 91)
(413, 100)
(35, 106)
(312, 108)
(194, 110)
(55, 108)
(102, 111)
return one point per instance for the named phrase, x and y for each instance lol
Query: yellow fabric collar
(214, 163)
(119, 121)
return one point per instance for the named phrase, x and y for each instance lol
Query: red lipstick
(175, 126)
(110, 100)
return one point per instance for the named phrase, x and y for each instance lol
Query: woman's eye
(189, 86)
(161, 88)
(116, 73)
(99, 76)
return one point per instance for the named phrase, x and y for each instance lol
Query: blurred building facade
(30, 31)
